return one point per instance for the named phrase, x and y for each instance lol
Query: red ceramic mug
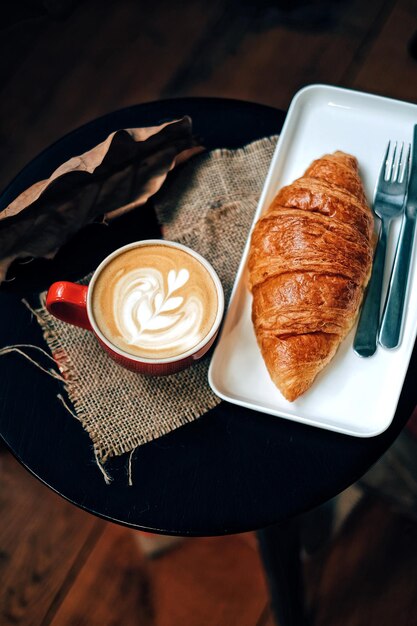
(183, 307)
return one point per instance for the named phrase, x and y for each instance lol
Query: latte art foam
(151, 316)
(155, 301)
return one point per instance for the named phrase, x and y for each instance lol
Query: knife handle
(393, 315)
(366, 335)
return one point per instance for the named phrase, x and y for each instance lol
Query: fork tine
(404, 176)
(391, 172)
(397, 166)
(384, 166)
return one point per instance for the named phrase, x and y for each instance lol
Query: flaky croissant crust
(309, 261)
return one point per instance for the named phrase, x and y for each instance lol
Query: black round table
(230, 471)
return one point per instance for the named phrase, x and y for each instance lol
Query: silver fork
(394, 309)
(388, 204)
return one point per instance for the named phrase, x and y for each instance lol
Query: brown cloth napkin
(208, 206)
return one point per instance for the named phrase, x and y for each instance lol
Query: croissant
(310, 259)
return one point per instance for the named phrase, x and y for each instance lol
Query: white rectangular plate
(352, 395)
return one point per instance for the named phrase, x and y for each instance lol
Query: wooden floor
(64, 62)
(60, 566)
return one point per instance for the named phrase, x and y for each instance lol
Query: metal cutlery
(393, 314)
(388, 204)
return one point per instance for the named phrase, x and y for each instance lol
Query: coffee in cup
(155, 301)
(155, 306)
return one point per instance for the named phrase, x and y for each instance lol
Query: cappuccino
(155, 301)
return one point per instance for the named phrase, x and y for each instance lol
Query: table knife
(394, 308)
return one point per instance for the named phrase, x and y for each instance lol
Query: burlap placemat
(208, 206)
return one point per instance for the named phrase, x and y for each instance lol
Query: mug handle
(68, 302)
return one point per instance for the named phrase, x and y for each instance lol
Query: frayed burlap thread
(209, 206)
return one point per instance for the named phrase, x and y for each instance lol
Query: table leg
(279, 547)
